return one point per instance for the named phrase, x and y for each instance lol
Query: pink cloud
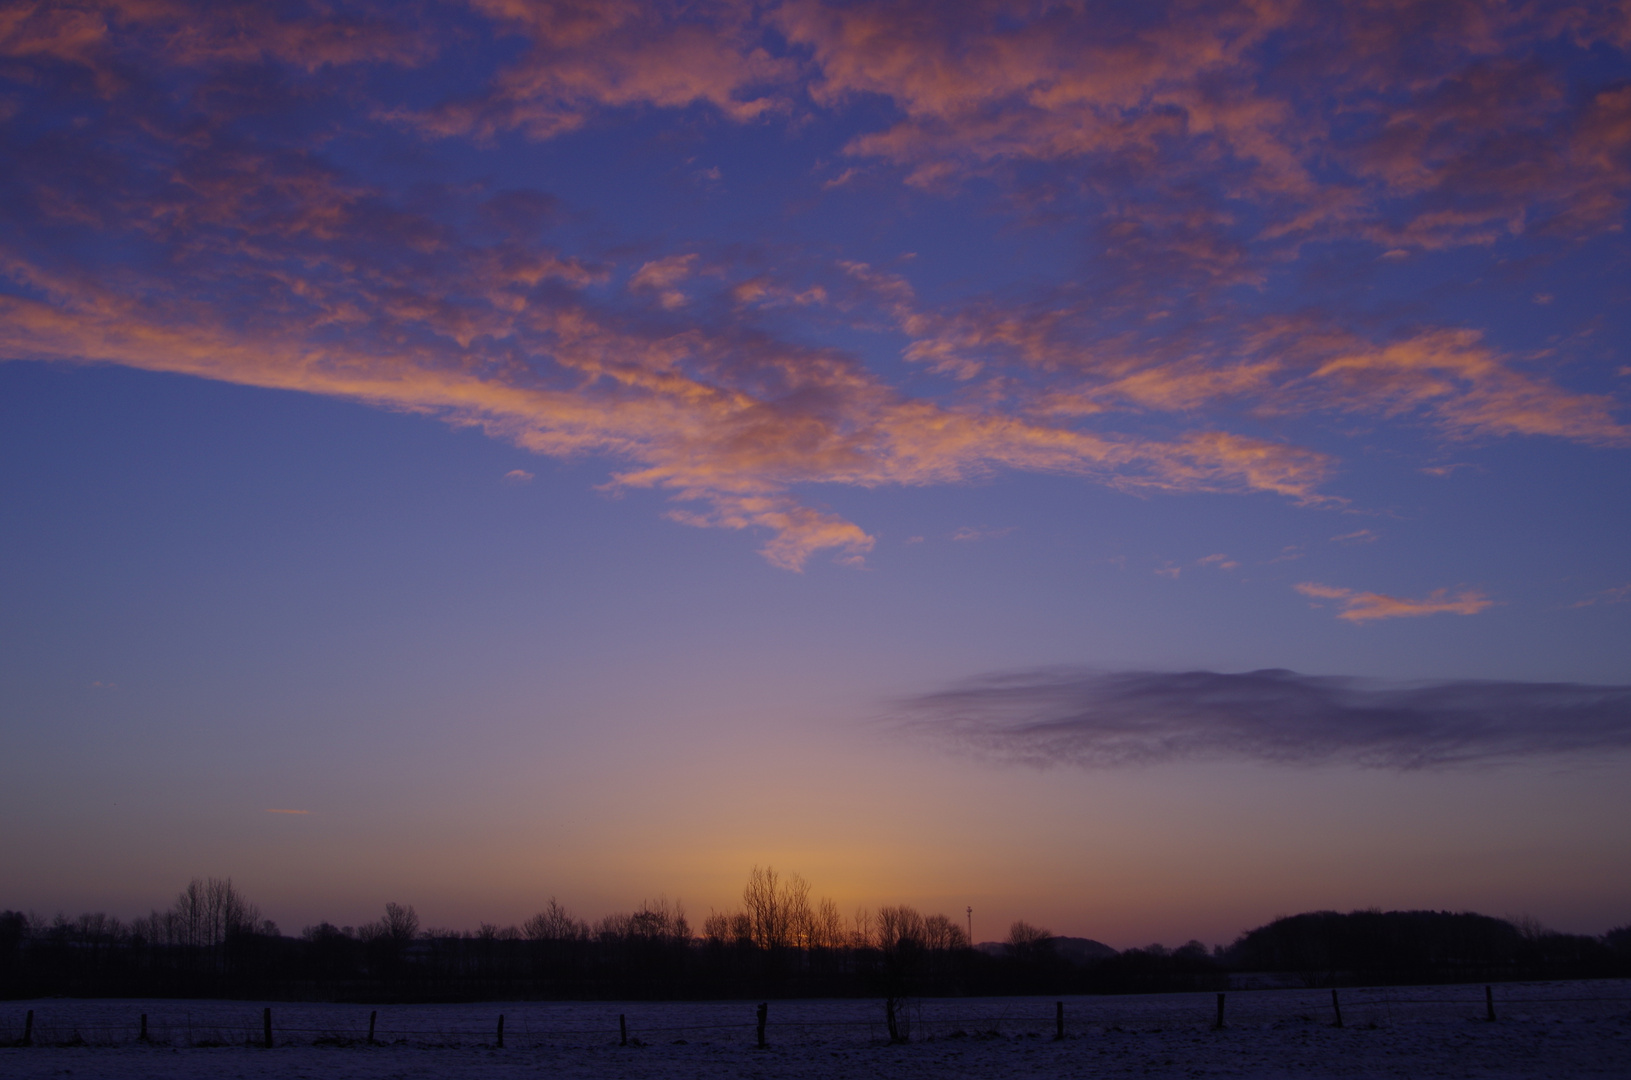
(96, 34)
(663, 276)
(1448, 379)
(1368, 606)
(587, 57)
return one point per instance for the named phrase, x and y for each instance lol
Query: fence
(218, 1024)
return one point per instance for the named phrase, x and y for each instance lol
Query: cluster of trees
(779, 942)
(1326, 947)
(206, 913)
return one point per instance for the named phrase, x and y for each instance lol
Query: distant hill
(1081, 950)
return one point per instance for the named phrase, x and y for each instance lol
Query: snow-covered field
(1556, 1029)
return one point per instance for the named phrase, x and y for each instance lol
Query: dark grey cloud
(1101, 719)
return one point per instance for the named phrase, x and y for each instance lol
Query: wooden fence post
(622, 1030)
(372, 1016)
(266, 1025)
(1219, 1025)
(501, 1031)
(1059, 1020)
(764, 1014)
(1489, 1004)
(28, 1029)
(142, 1036)
(1336, 1007)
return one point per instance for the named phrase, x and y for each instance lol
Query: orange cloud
(734, 422)
(1450, 379)
(607, 54)
(662, 276)
(1468, 388)
(92, 34)
(1366, 606)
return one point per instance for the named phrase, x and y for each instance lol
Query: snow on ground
(1555, 1029)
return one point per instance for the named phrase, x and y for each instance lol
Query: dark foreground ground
(1560, 1030)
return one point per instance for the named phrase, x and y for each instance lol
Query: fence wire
(54, 1023)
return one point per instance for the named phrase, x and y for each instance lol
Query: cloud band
(1111, 719)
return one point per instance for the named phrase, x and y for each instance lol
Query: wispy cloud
(969, 533)
(1620, 594)
(1366, 606)
(1111, 719)
(1361, 536)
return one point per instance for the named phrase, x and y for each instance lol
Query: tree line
(780, 942)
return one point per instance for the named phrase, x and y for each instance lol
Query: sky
(1140, 468)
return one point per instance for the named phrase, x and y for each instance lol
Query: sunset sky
(1139, 468)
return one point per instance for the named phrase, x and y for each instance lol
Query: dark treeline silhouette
(213, 943)
(1326, 948)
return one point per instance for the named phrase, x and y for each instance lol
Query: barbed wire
(162, 1029)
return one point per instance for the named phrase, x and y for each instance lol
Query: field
(1556, 1029)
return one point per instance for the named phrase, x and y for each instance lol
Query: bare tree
(795, 901)
(612, 928)
(827, 926)
(191, 918)
(778, 909)
(208, 911)
(900, 935)
(941, 934)
(1029, 943)
(716, 929)
(761, 902)
(657, 920)
(554, 923)
(862, 937)
(399, 926)
(900, 927)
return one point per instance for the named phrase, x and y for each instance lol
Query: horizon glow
(1139, 470)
